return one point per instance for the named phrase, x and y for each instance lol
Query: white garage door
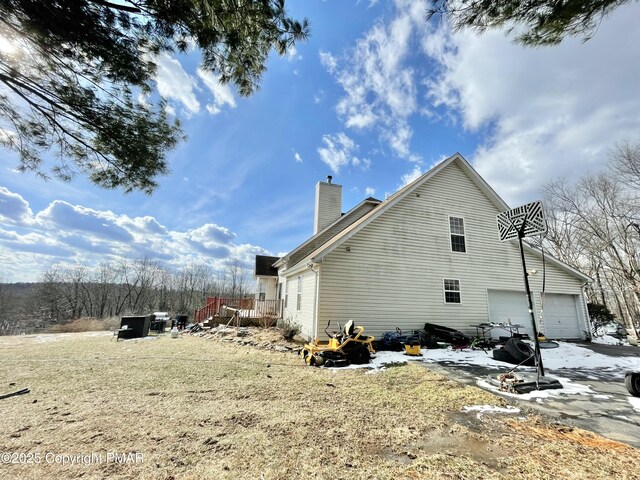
(561, 316)
(507, 306)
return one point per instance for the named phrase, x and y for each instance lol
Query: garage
(561, 317)
(509, 306)
(561, 313)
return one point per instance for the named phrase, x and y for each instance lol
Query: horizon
(375, 98)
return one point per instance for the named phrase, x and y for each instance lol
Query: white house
(429, 253)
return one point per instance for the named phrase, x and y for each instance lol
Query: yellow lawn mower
(347, 345)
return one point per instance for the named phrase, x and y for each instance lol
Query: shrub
(289, 328)
(600, 314)
(87, 324)
(267, 321)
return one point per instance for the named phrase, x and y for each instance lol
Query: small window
(299, 302)
(262, 293)
(286, 294)
(451, 291)
(456, 230)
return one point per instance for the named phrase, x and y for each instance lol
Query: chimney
(328, 204)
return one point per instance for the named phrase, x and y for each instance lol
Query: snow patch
(567, 355)
(485, 409)
(635, 403)
(568, 388)
(607, 340)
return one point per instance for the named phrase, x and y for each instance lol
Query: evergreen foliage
(544, 22)
(71, 72)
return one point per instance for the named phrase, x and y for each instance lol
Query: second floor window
(456, 231)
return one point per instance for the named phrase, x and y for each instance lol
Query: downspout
(589, 333)
(314, 319)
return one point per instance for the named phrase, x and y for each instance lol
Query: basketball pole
(537, 353)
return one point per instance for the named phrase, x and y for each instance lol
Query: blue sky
(375, 97)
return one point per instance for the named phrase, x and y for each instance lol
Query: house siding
(304, 316)
(271, 287)
(392, 275)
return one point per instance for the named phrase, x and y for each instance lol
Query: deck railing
(247, 308)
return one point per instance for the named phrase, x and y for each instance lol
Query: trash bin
(181, 321)
(137, 326)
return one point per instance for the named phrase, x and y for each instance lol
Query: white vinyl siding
(300, 311)
(392, 274)
(266, 288)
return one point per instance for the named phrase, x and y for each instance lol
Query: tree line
(113, 289)
(594, 226)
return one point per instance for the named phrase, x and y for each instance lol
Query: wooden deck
(248, 308)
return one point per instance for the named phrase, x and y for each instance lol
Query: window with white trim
(262, 291)
(456, 232)
(299, 301)
(286, 293)
(451, 290)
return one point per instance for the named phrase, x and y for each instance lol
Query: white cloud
(7, 136)
(75, 218)
(297, 157)
(173, 82)
(143, 99)
(329, 61)
(380, 85)
(222, 94)
(410, 176)
(369, 192)
(545, 112)
(292, 54)
(14, 209)
(68, 234)
(338, 151)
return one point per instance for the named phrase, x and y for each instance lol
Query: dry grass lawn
(197, 408)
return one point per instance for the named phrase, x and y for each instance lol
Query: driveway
(596, 372)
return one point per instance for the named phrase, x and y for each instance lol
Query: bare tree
(235, 276)
(593, 226)
(624, 162)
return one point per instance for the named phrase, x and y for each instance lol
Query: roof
(344, 235)
(264, 266)
(319, 253)
(329, 232)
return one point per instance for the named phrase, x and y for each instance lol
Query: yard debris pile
(258, 337)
